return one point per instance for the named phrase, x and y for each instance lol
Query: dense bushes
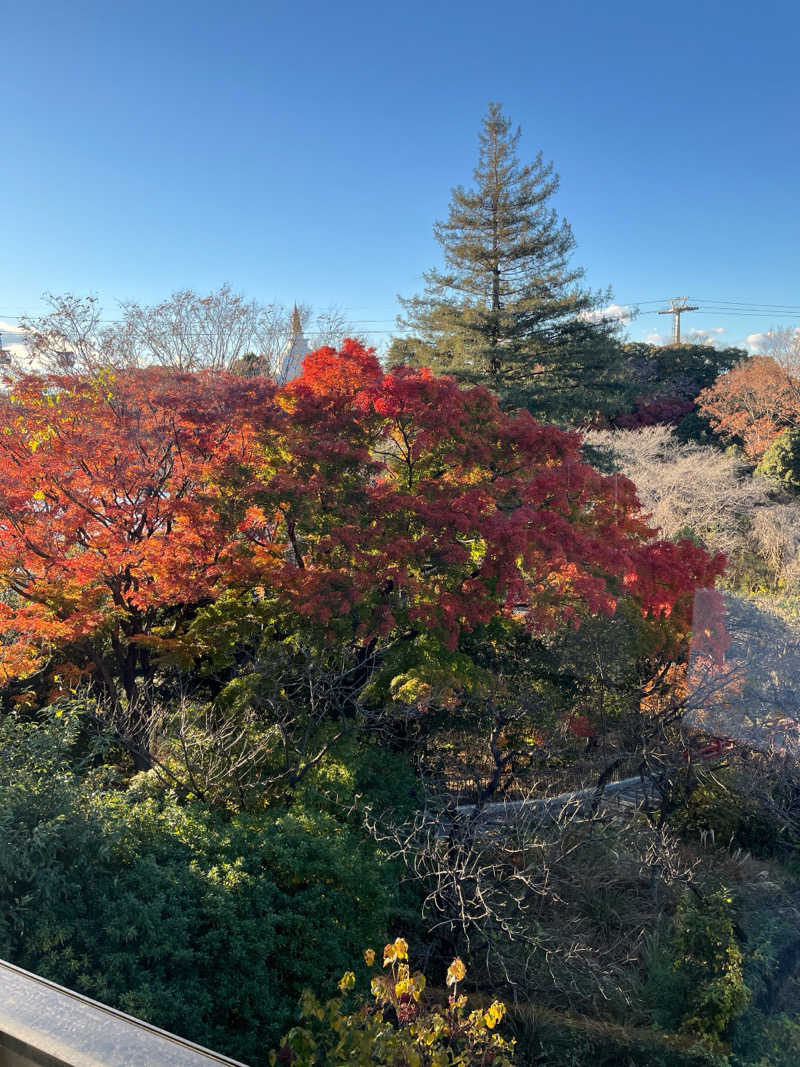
(208, 928)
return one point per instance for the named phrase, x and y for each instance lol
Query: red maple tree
(365, 504)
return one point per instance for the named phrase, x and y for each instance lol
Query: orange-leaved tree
(365, 506)
(112, 525)
(754, 402)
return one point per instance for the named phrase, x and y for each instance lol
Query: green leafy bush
(696, 984)
(764, 1041)
(728, 808)
(781, 461)
(204, 926)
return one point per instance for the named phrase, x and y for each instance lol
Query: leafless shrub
(687, 485)
(551, 906)
(225, 759)
(776, 534)
(220, 331)
(771, 783)
(260, 738)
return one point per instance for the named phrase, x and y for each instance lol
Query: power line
(726, 312)
(749, 304)
(380, 326)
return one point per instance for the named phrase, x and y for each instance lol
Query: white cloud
(705, 337)
(656, 338)
(612, 313)
(755, 341)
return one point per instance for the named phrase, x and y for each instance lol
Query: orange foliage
(755, 401)
(365, 504)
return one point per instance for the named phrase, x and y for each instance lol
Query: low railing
(44, 1025)
(622, 795)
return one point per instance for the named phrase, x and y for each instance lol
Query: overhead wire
(388, 326)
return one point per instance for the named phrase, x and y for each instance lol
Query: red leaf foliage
(580, 726)
(655, 411)
(360, 501)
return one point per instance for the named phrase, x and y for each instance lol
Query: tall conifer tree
(508, 310)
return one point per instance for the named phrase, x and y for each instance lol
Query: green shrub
(204, 926)
(781, 461)
(359, 769)
(764, 1041)
(696, 427)
(722, 808)
(696, 984)
(768, 1033)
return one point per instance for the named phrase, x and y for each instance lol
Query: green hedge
(204, 926)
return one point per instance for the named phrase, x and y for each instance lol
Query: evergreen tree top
(507, 308)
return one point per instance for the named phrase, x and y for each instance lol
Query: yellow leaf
(495, 1014)
(456, 971)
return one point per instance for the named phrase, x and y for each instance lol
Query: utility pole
(676, 309)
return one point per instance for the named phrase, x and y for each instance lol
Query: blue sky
(303, 151)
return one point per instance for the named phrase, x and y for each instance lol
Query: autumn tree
(149, 516)
(664, 380)
(752, 403)
(111, 528)
(507, 309)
